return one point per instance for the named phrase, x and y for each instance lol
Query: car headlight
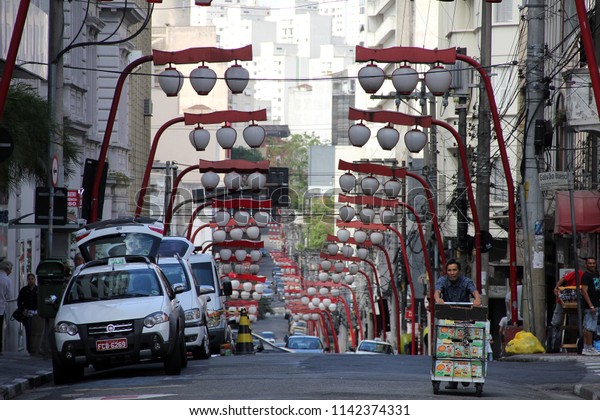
(155, 318)
(214, 321)
(192, 314)
(65, 327)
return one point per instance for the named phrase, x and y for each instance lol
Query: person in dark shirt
(27, 303)
(454, 287)
(590, 291)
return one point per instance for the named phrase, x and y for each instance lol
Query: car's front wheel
(174, 361)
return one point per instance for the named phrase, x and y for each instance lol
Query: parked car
(304, 344)
(119, 308)
(173, 254)
(374, 347)
(268, 335)
(205, 271)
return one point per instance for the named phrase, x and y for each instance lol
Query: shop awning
(587, 212)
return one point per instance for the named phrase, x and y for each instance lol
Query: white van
(205, 271)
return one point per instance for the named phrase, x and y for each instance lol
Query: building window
(503, 12)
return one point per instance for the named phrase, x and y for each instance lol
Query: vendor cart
(459, 344)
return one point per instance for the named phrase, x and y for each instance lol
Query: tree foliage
(27, 119)
(320, 222)
(240, 152)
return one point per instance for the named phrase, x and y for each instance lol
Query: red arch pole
(198, 230)
(192, 217)
(356, 311)
(169, 212)
(412, 294)
(148, 170)
(394, 292)
(372, 299)
(336, 345)
(381, 307)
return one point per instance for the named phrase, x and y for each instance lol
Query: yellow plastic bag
(524, 343)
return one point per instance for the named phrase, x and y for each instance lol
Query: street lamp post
(450, 56)
(188, 56)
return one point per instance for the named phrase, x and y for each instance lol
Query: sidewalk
(19, 372)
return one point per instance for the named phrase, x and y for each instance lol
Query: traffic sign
(54, 171)
(554, 180)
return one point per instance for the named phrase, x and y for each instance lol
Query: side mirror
(51, 300)
(205, 290)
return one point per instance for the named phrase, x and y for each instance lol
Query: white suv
(119, 308)
(172, 259)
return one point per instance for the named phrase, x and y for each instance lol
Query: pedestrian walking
(5, 295)
(27, 304)
(590, 290)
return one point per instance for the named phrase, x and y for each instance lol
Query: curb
(20, 385)
(586, 393)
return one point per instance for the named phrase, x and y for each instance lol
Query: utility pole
(55, 104)
(484, 140)
(462, 221)
(533, 231)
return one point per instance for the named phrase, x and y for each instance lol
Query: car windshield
(112, 285)
(176, 274)
(203, 273)
(375, 347)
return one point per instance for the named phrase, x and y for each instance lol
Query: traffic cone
(244, 345)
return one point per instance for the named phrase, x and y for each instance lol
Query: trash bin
(52, 277)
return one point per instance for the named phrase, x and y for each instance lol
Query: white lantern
(304, 300)
(226, 268)
(311, 291)
(322, 306)
(332, 249)
(209, 180)
(255, 255)
(239, 268)
(203, 79)
(323, 276)
(336, 278)
(235, 284)
(236, 78)
(326, 265)
(323, 291)
(332, 307)
(387, 216)
(253, 232)
(369, 185)
(348, 279)
(226, 137)
(254, 135)
(240, 254)
(371, 78)
(326, 301)
(199, 137)
(367, 215)
(311, 306)
(347, 251)
(254, 268)
(225, 254)
(170, 81)
(236, 234)
(257, 181)
(360, 236)
(392, 187)
(261, 218)
(376, 238)
(247, 286)
(339, 266)
(315, 301)
(388, 137)
(359, 135)
(242, 217)
(219, 236)
(362, 253)
(314, 317)
(245, 295)
(335, 292)
(347, 213)
(343, 235)
(235, 294)
(347, 182)
(259, 287)
(438, 80)
(222, 218)
(353, 268)
(232, 181)
(415, 140)
(405, 80)
(252, 310)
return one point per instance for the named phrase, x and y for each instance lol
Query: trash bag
(524, 343)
